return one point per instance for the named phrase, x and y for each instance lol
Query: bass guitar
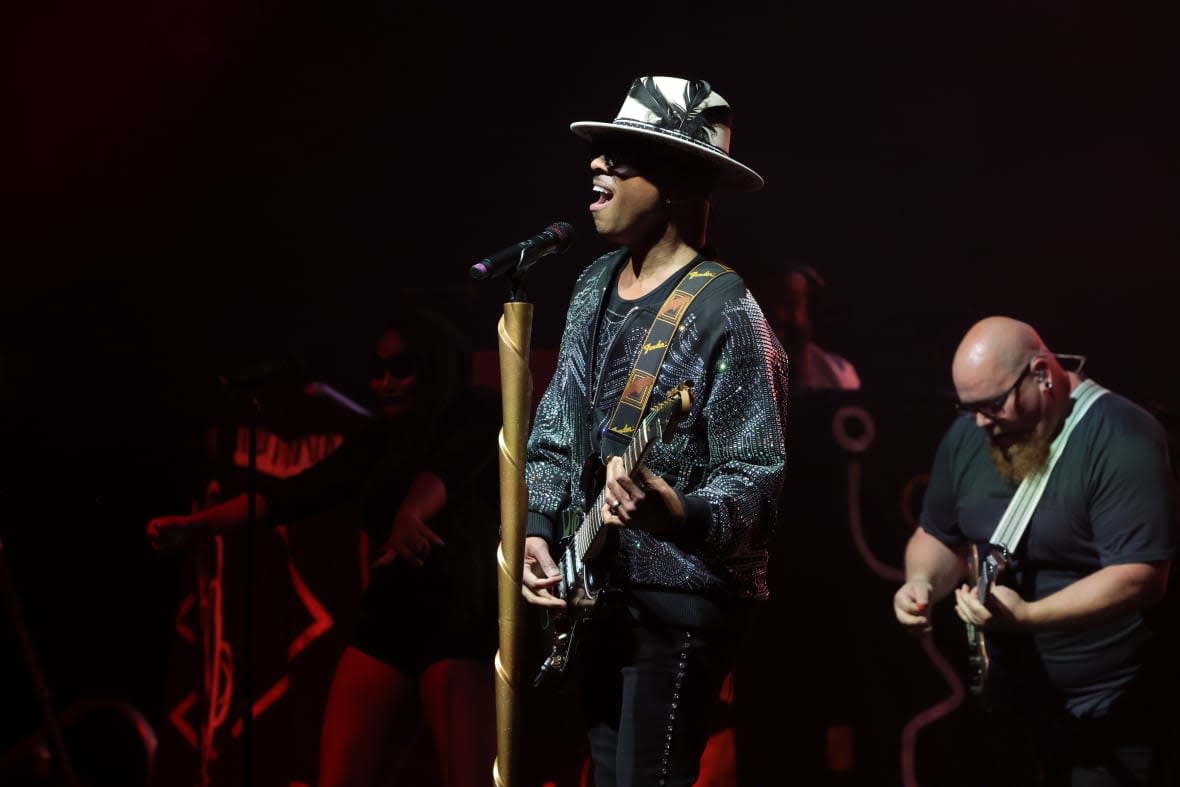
(983, 573)
(581, 563)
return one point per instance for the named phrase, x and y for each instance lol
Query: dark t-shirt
(1108, 502)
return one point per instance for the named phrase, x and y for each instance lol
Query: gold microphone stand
(515, 332)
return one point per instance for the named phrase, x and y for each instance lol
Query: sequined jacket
(726, 460)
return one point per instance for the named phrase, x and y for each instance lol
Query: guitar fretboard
(637, 449)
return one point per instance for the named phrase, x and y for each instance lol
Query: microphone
(519, 257)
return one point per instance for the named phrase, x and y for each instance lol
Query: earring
(1048, 385)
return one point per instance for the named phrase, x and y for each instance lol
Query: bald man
(1071, 630)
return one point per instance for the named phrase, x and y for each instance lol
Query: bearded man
(1075, 634)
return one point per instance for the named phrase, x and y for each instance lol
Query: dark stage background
(194, 186)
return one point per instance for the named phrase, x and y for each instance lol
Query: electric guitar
(983, 572)
(581, 563)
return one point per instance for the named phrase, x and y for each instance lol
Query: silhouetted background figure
(802, 678)
(1080, 630)
(426, 475)
(788, 297)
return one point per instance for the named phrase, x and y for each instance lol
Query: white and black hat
(684, 115)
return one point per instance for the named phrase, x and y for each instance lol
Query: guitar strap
(1020, 510)
(637, 392)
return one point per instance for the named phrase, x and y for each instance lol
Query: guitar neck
(591, 526)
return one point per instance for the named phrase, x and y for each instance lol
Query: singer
(690, 526)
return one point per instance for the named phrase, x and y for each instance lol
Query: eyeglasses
(398, 366)
(995, 405)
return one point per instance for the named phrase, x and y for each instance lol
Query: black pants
(1118, 751)
(648, 692)
(1125, 749)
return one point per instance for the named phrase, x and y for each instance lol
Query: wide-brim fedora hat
(684, 115)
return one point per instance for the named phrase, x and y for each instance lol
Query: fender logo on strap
(661, 345)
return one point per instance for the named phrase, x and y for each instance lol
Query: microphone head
(563, 231)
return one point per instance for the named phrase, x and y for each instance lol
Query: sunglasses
(995, 405)
(399, 366)
(623, 156)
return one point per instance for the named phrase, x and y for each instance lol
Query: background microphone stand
(268, 390)
(244, 390)
(244, 387)
(247, 393)
(246, 673)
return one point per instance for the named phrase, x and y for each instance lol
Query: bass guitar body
(984, 569)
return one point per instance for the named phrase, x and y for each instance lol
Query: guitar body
(581, 598)
(587, 549)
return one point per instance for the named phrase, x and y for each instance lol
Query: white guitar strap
(1020, 510)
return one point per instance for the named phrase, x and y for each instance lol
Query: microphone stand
(246, 669)
(247, 390)
(516, 382)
